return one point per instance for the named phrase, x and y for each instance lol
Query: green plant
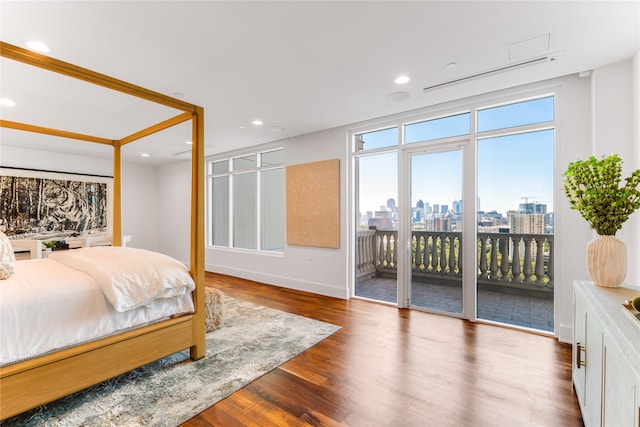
(593, 188)
(49, 244)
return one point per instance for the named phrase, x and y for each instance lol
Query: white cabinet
(606, 356)
(587, 352)
(620, 406)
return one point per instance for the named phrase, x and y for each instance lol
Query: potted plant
(593, 189)
(49, 245)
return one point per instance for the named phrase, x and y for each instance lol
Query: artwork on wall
(38, 204)
(313, 204)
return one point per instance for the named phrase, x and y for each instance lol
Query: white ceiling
(302, 66)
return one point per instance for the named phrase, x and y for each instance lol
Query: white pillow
(7, 257)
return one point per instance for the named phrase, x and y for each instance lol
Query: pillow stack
(7, 257)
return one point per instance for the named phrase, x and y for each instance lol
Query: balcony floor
(509, 308)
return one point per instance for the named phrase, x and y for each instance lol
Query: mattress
(47, 306)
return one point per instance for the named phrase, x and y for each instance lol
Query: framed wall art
(38, 204)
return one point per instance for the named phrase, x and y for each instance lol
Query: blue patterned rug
(253, 341)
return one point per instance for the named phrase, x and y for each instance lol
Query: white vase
(607, 261)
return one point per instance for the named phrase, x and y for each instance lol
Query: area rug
(252, 341)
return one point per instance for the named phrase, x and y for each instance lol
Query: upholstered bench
(214, 308)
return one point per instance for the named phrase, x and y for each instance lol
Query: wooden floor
(391, 367)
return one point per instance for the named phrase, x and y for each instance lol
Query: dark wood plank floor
(390, 367)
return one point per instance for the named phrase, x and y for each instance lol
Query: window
(444, 127)
(376, 139)
(516, 114)
(246, 208)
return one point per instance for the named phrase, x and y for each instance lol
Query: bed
(37, 376)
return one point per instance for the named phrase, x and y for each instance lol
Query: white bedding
(130, 277)
(46, 306)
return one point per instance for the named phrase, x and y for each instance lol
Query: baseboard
(286, 282)
(565, 333)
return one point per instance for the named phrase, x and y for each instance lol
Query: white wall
(141, 211)
(30, 159)
(174, 210)
(139, 189)
(615, 125)
(632, 227)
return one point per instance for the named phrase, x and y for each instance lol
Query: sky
(512, 169)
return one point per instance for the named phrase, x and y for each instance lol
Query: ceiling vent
(180, 153)
(510, 67)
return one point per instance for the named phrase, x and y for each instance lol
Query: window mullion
(259, 212)
(231, 210)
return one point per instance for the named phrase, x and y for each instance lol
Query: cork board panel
(313, 204)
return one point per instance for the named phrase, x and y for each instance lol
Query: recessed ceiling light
(188, 142)
(145, 155)
(400, 80)
(256, 122)
(38, 46)
(398, 96)
(6, 102)
(451, 65)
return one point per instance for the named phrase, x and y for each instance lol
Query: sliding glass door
(436, 230)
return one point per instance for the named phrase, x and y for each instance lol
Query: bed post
(116, 238)
(198, 350)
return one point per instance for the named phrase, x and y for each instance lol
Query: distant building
(393, 210)
(532, 208)
(527, 223)
(381, 220)
(457, 206)
(417, 214)
(441, 224)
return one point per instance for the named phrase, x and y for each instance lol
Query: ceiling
(299, 66)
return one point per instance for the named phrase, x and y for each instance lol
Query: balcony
(514, 274)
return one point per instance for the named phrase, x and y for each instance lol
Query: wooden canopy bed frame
(34, 382)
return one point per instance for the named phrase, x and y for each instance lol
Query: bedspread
(46, 306)
(130, 277)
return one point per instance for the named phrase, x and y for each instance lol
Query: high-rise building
(416, 214)
(532, 208)
(526, 223)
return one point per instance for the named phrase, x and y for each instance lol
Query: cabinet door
(588, 376)
(579, 342)
(593, 371)
(620, 389)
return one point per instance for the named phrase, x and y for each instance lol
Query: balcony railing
(514, 260)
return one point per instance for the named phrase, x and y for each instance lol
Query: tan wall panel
(313, 204)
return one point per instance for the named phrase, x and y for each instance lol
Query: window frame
(231, 173)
